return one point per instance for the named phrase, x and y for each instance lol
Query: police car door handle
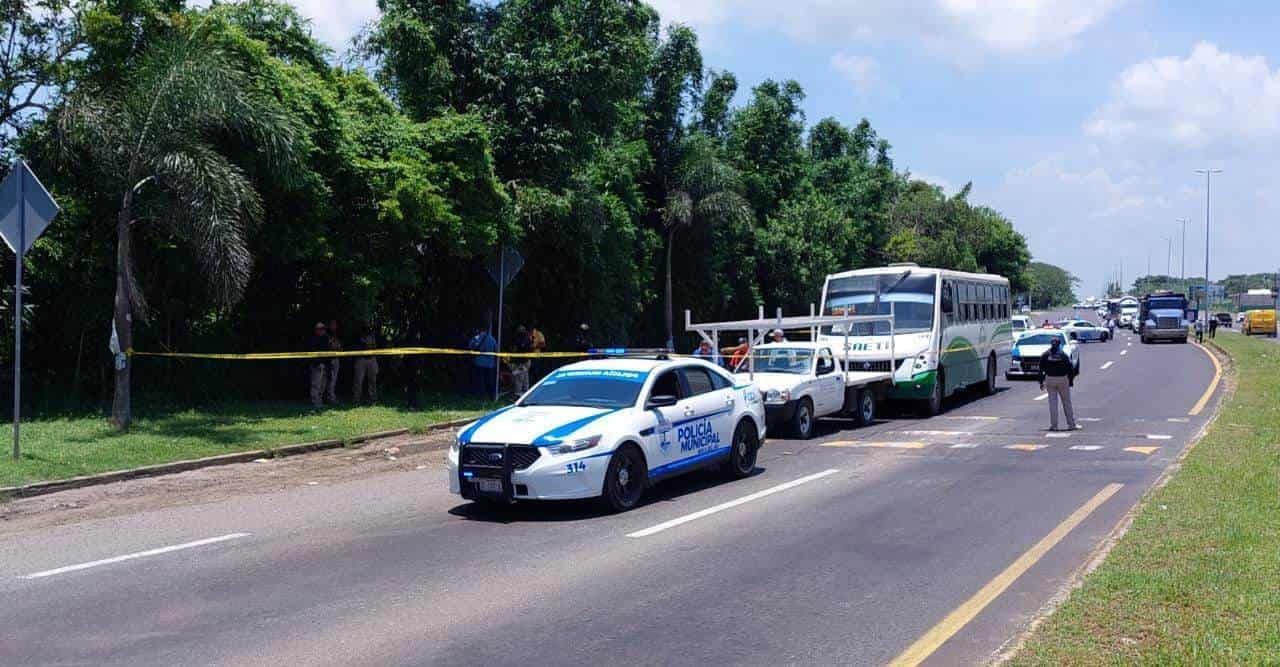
(728, 400)
(688, 410)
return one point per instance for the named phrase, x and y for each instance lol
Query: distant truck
(1163, 316)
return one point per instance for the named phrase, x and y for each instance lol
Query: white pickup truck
(802, 382)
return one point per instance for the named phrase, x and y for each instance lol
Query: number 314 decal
(576, 466)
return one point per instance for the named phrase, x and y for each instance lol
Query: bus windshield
(911, 296)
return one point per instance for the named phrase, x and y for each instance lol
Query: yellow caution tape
(386, 352)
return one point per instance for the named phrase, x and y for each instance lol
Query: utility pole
(1184, 254)
(1168, 260)
(1208, 175)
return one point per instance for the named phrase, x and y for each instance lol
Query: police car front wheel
(625, 479)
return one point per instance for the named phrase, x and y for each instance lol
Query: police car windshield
(796, 360)
(588, 388)
(911, 297)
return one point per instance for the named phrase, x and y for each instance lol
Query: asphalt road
(946, 534)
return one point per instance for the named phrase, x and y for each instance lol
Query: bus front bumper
(919, 387)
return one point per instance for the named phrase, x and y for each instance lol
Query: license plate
(489, 485)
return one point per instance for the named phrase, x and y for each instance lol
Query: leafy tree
(154, 144)
(708, 193)
(765, 143)
(45, 38)
(713, 114)
(1050, 286)
(808, 239)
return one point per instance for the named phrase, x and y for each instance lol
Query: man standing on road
(318, 365)
(483, 364)
(1199, 331)
(1057, 376)
(705, 352)
(1213, 327)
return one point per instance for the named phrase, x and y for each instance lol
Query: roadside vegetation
(73, 445)
(1196, 580)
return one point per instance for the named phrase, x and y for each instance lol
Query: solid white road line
(731, 504)
(1106, 365)
(1085, 448)
(1152, 436)
(133, 556)
(1041, 397)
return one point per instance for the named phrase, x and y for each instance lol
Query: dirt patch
(373, 457)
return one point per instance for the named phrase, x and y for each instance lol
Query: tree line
(226, 181)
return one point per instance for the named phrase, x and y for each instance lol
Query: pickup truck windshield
(912, 297)
(588, 389)
(794, 360)
(1166, 303)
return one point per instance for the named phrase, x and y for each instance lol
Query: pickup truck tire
(864, 408)
(802, 421)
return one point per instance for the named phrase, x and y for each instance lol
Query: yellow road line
(949, 626)
(1026, 448)
(1208, 393)
(1142, 450)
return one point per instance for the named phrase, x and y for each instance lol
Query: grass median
(1196, 580)
(62, 447)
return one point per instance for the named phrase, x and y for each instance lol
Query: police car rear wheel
(624, 481)
(742, 456)
(802, 422)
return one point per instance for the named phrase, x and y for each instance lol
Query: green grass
(1196, 580)
(63, 447)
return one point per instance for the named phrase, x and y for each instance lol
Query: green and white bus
(951, 329)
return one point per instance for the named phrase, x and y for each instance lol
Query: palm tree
(153, 143)
(707, 192)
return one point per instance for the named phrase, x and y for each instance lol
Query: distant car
(1021, 324)
(1025, 361)
(1224, 319)
(610, 428)
(1085, 331)
(1024, 309)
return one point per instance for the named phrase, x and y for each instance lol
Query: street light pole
(1183, 274)
(1168, 258)
(1208, 175)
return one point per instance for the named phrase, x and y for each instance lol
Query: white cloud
(861, 71)
(962, 29)
(1212, 102)
(335, 22)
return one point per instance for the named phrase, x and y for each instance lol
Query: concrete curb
(54, 486)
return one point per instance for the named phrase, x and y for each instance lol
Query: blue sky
(1081, 120)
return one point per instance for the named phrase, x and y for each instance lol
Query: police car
(610, 427)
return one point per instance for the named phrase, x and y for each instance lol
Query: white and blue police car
(609, 427)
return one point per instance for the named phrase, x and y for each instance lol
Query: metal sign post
(503, 269)
(26, 209)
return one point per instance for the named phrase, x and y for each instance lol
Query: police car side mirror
(661, 401)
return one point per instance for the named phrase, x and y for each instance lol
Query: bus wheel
(990, 388)
(933, 405)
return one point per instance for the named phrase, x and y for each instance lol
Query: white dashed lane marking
(136, 555)
(1153, 436)
(1106, 365)
(731, 504)
(1085, 448)
(1041, 397)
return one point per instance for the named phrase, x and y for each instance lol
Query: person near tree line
(365, 369)
(520, 365)
(335, 345)
(1213, 327)
(1199, 331)
(483, 365)
(538, 344)
(1057, 376)
(706, 352)
(318, 367)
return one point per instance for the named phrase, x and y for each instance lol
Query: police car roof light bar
(638, 352)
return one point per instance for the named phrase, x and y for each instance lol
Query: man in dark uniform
(1057, 376)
